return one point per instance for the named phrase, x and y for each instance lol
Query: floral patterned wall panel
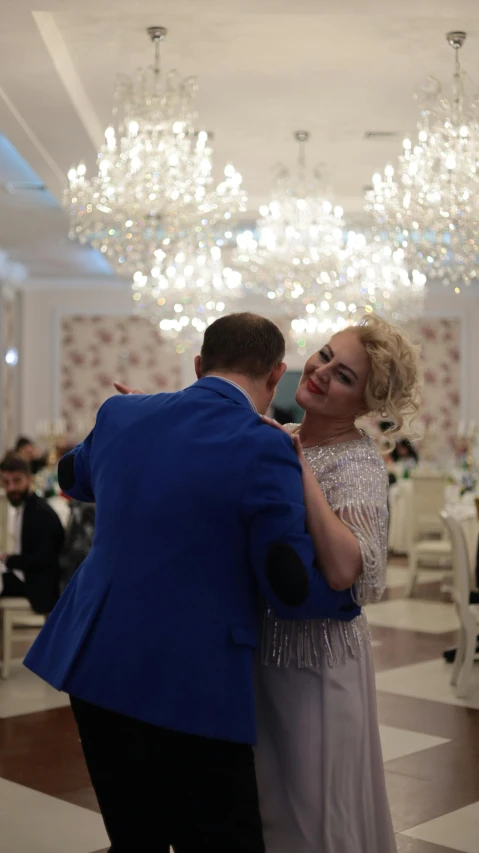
(98, 350)
(440, 341)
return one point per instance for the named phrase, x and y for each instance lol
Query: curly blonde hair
(395, 378)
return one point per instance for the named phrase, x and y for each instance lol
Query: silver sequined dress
(319, 760)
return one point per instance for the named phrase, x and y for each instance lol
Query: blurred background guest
(391, 466)
(78, 539)
(28, 450)
(405, 454)
(30, 568)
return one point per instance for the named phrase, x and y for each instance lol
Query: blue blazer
(193, 493)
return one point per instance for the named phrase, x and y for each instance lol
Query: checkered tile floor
(430, 741)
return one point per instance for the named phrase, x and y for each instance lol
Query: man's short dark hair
(22, 442)
(14, 464)
(242, 343)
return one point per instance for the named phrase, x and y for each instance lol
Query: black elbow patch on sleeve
(287, 575)
(66, 473)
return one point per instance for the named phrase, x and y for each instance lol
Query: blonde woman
(319, 761)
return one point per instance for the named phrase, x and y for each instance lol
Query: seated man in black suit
(32, 567)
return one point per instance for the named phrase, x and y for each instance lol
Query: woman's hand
(125, 389)
(293, 436)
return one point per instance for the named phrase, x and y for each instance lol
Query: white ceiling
(265, 68)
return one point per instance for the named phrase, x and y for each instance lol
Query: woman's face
(334, 379)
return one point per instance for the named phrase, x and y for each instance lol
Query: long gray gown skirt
(319, 761)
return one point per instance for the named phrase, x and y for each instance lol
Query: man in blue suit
(199, 506)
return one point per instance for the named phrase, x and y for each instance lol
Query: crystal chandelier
(373, 278)
(188, 289)
(154, 196)
(431, 207)
(296, 253)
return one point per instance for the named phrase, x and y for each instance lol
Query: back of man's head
(243, 344)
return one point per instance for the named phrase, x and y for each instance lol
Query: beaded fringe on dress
(353, 478)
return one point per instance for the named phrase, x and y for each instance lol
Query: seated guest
(31, 568)
(28, 450)
(405, 454)
(390, 465)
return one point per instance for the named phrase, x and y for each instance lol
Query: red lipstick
(313, 388)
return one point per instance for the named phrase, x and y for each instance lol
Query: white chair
(468, 613)
(16, 613)
(428, 498)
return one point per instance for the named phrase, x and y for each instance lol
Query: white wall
(41, 350)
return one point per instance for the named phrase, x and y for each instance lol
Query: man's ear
(275, 376)
(198, 370)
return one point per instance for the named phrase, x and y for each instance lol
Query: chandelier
(431, 207)
(373, 278)
(189, 288)
(153, 198)
(296, 253)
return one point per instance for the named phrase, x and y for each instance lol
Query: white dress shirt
(235, 385)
